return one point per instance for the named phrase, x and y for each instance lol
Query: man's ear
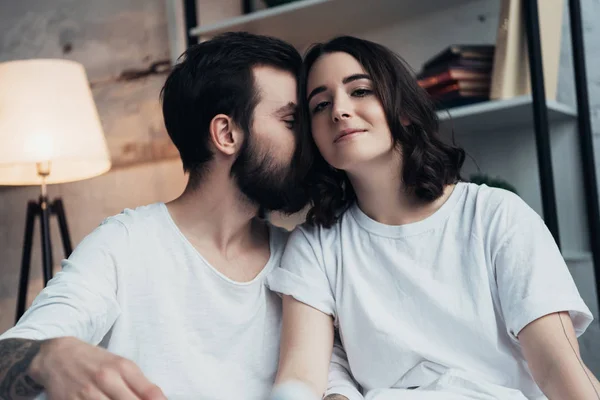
(225, 135)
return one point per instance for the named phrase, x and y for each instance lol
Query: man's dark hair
(428, 163)
(215, 77)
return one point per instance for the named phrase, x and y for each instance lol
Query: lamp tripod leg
(59, 210)
(46, 244)
(32, 211)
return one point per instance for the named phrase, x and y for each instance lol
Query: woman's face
(348, 121)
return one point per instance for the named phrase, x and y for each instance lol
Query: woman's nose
(342, 109)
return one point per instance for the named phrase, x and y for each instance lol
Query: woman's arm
(540, 301)
(552, 352)
(306, 346)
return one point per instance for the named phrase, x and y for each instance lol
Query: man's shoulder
(128, 226)
(279, 235)
(132, 218)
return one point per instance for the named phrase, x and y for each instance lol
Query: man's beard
(267, 183)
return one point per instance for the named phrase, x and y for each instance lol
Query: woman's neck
(382, 195)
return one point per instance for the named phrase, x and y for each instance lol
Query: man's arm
(69, 368)
(79, 301)
(16, 356)
(551, 349)
(52, 348)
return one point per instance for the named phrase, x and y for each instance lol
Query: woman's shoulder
(315, 231)
(317, 234)
(492, 200)
(499, 211)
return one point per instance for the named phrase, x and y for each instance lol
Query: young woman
(440, 289)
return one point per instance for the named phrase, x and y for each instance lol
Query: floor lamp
(50, 133)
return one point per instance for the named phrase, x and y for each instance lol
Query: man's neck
(216, 214)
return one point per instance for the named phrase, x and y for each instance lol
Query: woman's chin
(350, 162)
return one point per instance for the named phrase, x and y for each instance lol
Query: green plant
(484, 179)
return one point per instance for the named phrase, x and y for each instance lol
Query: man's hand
(69, 368)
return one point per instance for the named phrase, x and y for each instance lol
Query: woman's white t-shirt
(435, 304)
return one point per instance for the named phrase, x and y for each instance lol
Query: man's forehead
(276, 88)
(274, 79)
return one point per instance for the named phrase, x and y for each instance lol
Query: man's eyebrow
(346, 80)
(289, 108)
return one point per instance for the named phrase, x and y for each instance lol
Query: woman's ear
(405, 121)
(224, 134)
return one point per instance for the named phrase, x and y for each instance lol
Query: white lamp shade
(47, 113)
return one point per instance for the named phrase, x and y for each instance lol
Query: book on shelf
(459, 65)
(462, 53)
(466, 88)
(511, 74)
(458, 75)
(459, 98)
(451, 75)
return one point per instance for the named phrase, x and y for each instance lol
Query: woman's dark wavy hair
(428, 163)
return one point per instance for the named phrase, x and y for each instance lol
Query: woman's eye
(320, 107)
(361, 92)
(290, 123)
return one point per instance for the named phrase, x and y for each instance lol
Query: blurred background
(471, 55)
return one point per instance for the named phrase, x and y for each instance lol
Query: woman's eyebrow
(315, 92)
(355, 77)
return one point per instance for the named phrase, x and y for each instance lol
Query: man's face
(264, 170)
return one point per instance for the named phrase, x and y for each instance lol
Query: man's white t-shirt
(435, 304)
(138, 288)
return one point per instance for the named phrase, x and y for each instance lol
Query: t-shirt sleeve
(532, 277)
(302, 272)
(81, 300)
